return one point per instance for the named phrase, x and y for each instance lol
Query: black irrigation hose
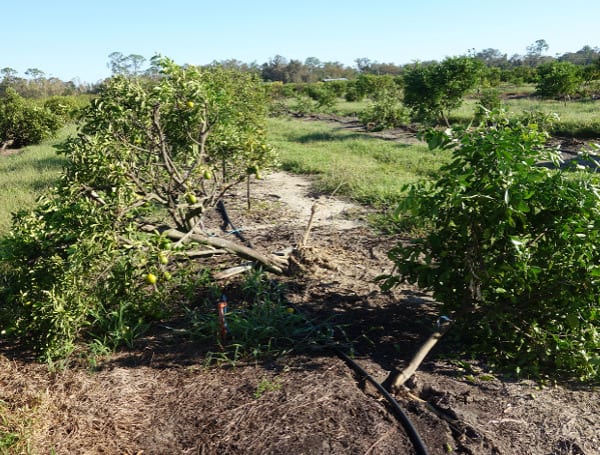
(413, 434)
(227, 222)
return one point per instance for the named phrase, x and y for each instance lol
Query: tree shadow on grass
(327, 137)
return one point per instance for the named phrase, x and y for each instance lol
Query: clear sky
(72, 39)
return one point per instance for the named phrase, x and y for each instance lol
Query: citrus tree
(432, 90)
(558, 79)
(96, 258)
(512, 248)
(22, 122)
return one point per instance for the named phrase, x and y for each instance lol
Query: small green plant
(15, 424)
(512, 249)
(261, 325)
(303, 105)
(386, 112)
(324, 95)
(490, 99)
(266, 385)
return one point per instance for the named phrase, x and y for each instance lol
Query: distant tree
(8, 73)
(314, 69)
(236, 65)
(363, 64)
(366, 66)
(313, 63)
(296, 71)
(9, 77)
(36, 87)
(535, 51)
(35, 73)
(591, 73)
(117, 63)
(335, 70)
(492, 57)
(584, 56)
(274, 69)
(431, 91)
(126, 65)
(136, 62)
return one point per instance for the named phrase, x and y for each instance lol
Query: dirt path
(159, 398)
(295, 192)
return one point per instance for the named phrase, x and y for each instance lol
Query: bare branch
(217, 242)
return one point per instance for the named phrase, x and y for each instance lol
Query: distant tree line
(525, 68)
(517, 68)
(36, 84)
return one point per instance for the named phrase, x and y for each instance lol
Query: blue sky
(69, 39)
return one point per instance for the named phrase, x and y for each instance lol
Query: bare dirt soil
(160, 398)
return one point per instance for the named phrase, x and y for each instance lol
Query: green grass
(369, 170)
(578, 118)
(26, 174)
(350, 108)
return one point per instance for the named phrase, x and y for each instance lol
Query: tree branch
(217, 242)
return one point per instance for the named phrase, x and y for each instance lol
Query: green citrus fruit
(151, 278)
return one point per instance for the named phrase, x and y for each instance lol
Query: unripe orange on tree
(190, 104)
(151, 278)
(207, 174)
(191, 198)
(162, 258)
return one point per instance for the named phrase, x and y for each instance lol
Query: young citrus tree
(512, 251)
(431, 91)
(23, 122)
(96, 257)
(558, 79)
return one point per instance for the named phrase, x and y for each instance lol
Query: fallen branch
(192, 254)
(217, 242)
(233, 271)
(396, 382)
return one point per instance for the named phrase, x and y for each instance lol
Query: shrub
(512, 251)
(323, 95)
(431, 91)
(156, 153)
(24, 123)
(489, 100)
(385, 112)
(65, 107)
(558, 79)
